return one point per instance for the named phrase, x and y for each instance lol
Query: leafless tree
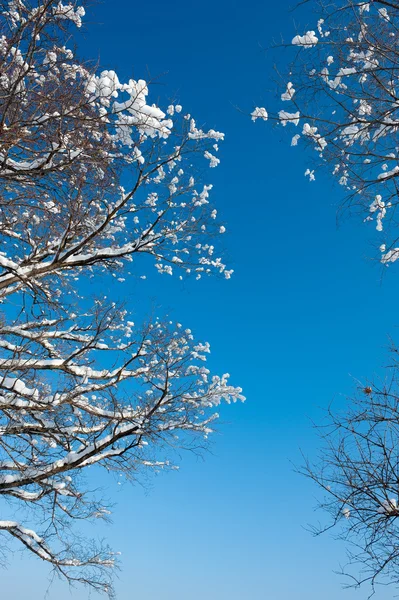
(340, 98)
(89, 185)
(358, 471)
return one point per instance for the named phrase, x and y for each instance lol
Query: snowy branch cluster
(92, 177)
(342, 95)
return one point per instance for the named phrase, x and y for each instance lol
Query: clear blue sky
(305, 313)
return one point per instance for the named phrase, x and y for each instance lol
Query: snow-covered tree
(340, 96)
(340, 101)
(93, 178)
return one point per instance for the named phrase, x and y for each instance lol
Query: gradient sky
(305, 315)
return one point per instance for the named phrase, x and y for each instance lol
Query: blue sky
(307, 311)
